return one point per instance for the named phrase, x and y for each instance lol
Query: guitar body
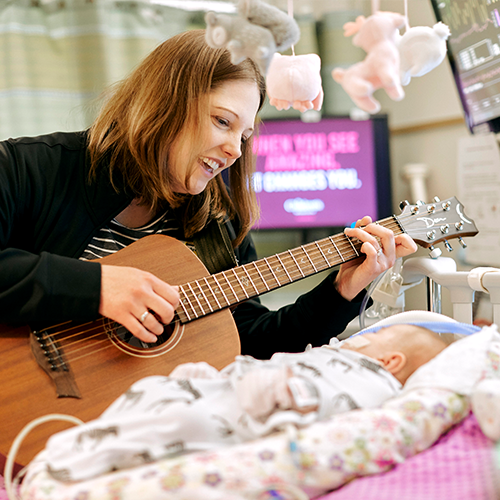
(27, 392)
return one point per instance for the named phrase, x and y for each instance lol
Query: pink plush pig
(295, 81)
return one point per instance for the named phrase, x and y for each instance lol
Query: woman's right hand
(127, 293)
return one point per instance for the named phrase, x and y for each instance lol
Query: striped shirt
(115, 236)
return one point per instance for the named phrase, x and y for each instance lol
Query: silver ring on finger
(143, 317)
(379, 252)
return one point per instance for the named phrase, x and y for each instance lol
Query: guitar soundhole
(123, 334)
(128, 343)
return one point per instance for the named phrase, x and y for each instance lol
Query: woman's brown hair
(166, 94)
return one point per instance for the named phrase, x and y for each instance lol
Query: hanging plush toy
(242, 38)
(392, 59)
(295, 81)
(256, 32)
(421, 49)
(284, 28)
(377, 35)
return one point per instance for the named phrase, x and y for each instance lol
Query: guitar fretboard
(221, 290)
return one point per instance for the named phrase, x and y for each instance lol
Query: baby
(199, 408)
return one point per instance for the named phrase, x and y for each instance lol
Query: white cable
(9, 463)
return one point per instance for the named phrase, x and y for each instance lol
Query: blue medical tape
(435, 326)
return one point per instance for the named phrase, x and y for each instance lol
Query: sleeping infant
(198, 407)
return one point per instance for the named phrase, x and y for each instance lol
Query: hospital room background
(56, 56)
(438, 143)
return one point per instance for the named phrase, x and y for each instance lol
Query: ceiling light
(206, 5)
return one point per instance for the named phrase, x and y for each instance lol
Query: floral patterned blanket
(314, 460)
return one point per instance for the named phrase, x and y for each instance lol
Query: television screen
(474, 54)
(323, 174)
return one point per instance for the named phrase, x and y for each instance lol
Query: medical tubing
(362, 308)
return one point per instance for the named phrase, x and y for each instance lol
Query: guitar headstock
(431, 223)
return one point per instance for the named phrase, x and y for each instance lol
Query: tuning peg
(434, 252)
(436, 199)
(448, 246)
(404, 204)
(420, 203)
(462, 242)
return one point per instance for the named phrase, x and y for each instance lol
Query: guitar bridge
(50, 357)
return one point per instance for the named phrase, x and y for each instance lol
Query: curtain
(56, 57)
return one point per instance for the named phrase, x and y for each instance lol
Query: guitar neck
(228, 288)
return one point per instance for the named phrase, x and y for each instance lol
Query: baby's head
(400, 349)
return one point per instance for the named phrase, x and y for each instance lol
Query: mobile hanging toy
(260, 31)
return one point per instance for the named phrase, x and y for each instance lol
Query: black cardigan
(49, 212)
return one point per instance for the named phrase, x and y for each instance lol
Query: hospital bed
(424, 445)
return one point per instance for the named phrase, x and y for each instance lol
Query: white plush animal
(421, 49)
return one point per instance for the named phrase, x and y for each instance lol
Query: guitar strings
(312, 250)
(73, 359)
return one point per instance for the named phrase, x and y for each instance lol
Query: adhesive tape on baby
(356, 341)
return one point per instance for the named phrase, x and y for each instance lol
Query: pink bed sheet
(460, 466)
(3, 493)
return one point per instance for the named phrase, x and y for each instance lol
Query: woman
(150, 163)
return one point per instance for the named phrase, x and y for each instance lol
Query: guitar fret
(324, 256)
(353, 247)
(196, 298)
(260, 274)
(272, 272)
(230, 287)
(221, 289)
(303, 262)
(296, 263)
(183, 304)
(336, 248)
(307, 255)
(284, 268)
(213, 293)
(250, 279)
(205, 297)
(240, 283)
(328, 251)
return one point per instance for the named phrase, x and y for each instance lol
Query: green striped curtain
(56, 58)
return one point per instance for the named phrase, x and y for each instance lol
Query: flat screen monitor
(474, 55)
(325, 174)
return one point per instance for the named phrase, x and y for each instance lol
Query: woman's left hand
(381, 248)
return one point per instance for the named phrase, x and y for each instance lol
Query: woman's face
(233, 108)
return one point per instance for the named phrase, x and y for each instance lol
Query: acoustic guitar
(79, 369)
